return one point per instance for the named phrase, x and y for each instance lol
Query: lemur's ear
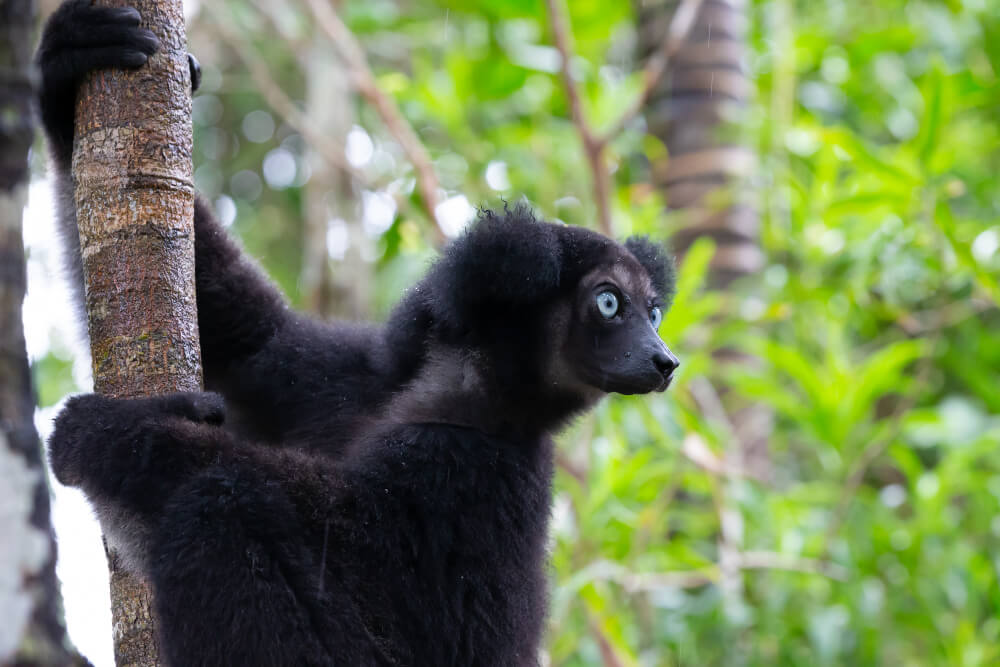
(505, 259)
(659, 264)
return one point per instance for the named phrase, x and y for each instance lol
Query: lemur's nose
(665, 361)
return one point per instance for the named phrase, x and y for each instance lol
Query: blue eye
(607, 303)
(655, 316)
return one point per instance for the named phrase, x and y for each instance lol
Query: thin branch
(645, 582)
(680, 26)
(710, 403)
(609, 656)
(594, 145)
(563, 38)
(271, 13)
(592, 148)
(770, 560)
(920, 322)
(276, 98)
(563, 462)
(694, 448)
(361, 75)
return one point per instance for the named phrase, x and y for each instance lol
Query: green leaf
(936, 95)
(879, 373)
(867, 158)
(52, 377)
(946, 223)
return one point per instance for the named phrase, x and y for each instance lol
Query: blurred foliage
(874, 324)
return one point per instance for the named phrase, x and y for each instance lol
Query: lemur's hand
(136, 447)
(79, 38)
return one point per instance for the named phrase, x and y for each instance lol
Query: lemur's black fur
(354, 495)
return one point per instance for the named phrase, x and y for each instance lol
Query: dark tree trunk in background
(695, 110)
(135, 210)
(31, 626)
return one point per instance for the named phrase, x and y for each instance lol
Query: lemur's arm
(224, 529)
(276, 369)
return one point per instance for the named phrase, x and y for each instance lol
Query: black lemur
(354, 495)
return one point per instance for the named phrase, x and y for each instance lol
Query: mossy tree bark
(30, 605)
(135, 210)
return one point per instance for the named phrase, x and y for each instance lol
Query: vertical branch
(705, 170)
(609, 656)
(593, 148)
(135, 201)
(782, 110)
(327, 98)
(594, 145)
(364, 80)
(330, 194)
(275, 97)
(656, 65)
(705, 173)
(730, 541)
(332, 153)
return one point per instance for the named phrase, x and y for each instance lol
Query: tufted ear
(504, 260)
(659, 264)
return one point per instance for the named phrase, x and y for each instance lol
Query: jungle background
(821, 483)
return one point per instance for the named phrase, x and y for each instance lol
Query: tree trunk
(691, 110)
(330, 195)
(32, 631)
(694, 110)
(135, 211)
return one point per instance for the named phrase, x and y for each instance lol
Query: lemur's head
(609, 324)
(549, 310)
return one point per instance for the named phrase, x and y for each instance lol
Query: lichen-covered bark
(132, 623)
(31, 628)
(135, 210)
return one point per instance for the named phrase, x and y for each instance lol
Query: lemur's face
(612, 342)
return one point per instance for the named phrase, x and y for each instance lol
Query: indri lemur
(354, 495)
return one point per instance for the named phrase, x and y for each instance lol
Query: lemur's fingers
(195, 68)
(80, 38)
(202, 407)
